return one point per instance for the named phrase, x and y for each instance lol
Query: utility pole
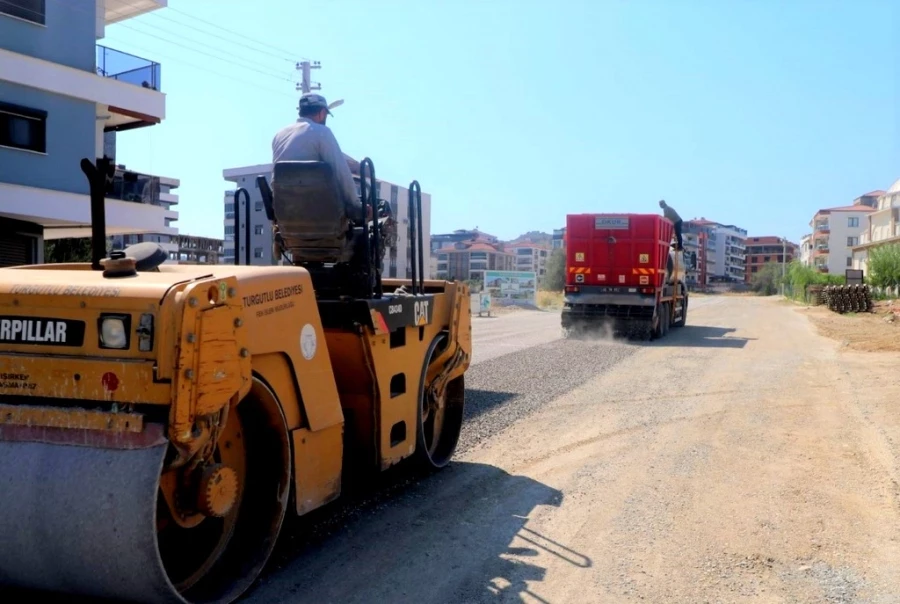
(305, 68)
(783, 263)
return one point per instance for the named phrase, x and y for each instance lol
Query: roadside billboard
(511, 287)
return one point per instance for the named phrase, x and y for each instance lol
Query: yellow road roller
(157, 421)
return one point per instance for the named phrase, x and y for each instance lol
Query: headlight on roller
(114, 330)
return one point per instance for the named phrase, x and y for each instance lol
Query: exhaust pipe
(97, 176)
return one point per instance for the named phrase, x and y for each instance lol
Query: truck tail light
(572, 289)
(647, 290)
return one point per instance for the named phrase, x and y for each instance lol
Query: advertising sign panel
(512, 287)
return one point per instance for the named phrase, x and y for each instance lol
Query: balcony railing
(134, 187)
(128, 68)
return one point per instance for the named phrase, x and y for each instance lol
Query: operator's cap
(311, 99)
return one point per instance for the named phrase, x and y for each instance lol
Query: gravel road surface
(743, 458)
(740, 459)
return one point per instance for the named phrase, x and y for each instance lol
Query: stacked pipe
(848, 298)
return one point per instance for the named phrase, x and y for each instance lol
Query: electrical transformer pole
(305, 68)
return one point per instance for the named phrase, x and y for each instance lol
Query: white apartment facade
(806, 250)
(63, 97)
(836, 232)
(881, 227)
(396, 264)
(530, 258)
(726, 251)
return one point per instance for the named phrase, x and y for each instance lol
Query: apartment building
(805, 254)
(193, 249)
(154, 190)
(63, 97)
(726, 251)
(529, 257)
(700, 238)
(468, 260)
(881, 227)
(559, 238)
(396, 264)
(768, 249)
(444, 240)
(836, 231)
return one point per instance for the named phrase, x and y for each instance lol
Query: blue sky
(513, 113)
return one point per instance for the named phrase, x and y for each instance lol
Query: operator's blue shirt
(308, 141)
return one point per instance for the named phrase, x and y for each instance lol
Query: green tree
(75, 249)
(767, 280)
(555, 276)
(884, 266)
(800, 276)
(67, 250)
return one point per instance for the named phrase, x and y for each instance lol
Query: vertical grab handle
(237, 226)
(367, 193)
(415, 229)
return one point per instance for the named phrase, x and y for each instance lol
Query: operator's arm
(331, 153)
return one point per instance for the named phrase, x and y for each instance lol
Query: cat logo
(579, 256)
(420, 312)
(645, 258)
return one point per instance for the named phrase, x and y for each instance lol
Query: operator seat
(313, 223)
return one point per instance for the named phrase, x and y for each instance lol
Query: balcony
(821, 227)
(126, 111)
(124, 67)
(115, 11)
(134, 187)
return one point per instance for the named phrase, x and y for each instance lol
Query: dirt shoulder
(878, 331)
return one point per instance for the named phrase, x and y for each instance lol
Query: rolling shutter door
(16, 250)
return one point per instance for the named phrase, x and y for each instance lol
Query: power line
(230, 40)
(152, 35)
(203, 32)
(207, 70)
(154, 52)
(281, 50)
(158, 37)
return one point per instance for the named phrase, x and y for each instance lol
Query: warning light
(110, 381)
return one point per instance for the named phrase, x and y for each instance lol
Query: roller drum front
(82, 520)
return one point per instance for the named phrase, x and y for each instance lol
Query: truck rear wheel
(440, 417)
(684, 308)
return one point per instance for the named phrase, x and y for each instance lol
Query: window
(257, 252)
(853, 222)
(850, 261)
(258, 229)
(23, 128)
(258, 206)
(851, 241)
(229, 207)
(229, 230)
(29, 10)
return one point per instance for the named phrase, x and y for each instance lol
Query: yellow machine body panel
(168, 378)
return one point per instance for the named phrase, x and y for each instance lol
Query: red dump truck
(623, 274)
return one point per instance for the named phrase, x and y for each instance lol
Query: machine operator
(309, 139)
(672, 215)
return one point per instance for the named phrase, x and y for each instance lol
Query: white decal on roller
(308, 342)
